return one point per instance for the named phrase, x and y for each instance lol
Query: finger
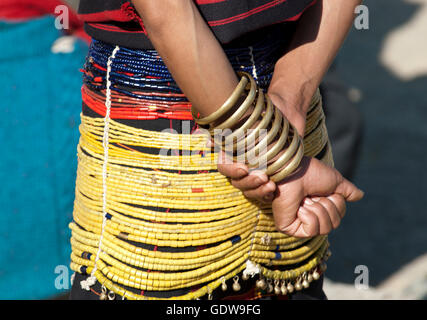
(268, 198)
(339, 203)
(230, 169)
(349, 191)
(332, 210)
(325, 223)
(294, 229)
(323, 180)
(264, 193)
(251, 181)
(285, 207)
(310, 226)
(305, 225)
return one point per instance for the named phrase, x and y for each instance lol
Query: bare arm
(320, 34)
(201, 69)
(190, 51)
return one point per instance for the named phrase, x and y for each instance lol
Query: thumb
(230, 169)
(349, 191)
(285, 207)
(323, 180)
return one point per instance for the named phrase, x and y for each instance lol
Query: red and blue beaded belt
(142, 87)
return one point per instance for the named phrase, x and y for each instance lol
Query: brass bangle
(317, 97)
(263, 124)
(228, 104)
(240, 132)
(274, 130)
(275, 127)
(291, 167)
(286, 156)
(243, 108)
(275, 149)
(287, 162)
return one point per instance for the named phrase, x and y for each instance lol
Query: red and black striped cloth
(117, 22)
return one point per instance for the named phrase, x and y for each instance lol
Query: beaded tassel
(90, 281)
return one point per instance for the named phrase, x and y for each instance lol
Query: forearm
(299, 72)
(190, 51)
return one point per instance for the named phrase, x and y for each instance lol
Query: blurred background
(376, 105)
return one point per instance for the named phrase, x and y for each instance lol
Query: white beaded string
(86, 284)
(254, 71)
(251, 268)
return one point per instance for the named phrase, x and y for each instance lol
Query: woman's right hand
(310, 202)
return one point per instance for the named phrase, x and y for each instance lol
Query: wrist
(293, 98)
(295, 81)
(297, 93)
(291, 108)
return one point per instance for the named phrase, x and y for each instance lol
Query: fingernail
(315, 199)
(308, 201)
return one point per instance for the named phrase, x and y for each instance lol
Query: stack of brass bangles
(281, 147)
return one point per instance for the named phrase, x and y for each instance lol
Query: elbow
(154, 23)
(158, 15)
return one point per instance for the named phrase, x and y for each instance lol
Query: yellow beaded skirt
(138, 216)
(212, 212)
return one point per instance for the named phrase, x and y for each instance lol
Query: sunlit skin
(312, 201)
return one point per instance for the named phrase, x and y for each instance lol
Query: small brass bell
(270, 286)
(323, 267)
(298, 286)
(309, 278)
(103, 295)
(224, 285)
(276, 287)
(316, 275)
(290, 287)
(305, 284)
(283, 289)
(261, 284)
(236, 285)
